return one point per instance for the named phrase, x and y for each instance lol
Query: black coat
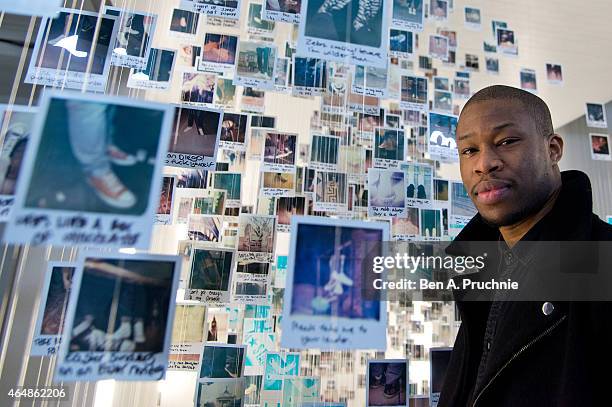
(560, 359)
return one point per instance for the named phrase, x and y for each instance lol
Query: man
(511, 353)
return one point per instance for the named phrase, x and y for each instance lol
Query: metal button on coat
(547, 308)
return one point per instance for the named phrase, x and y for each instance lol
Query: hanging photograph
(16, 123)
(157, 73)
(285, 11)
(324, 152)
(198, 89)
(554, 74)
(195, 137)
(596, 116)
(204, 228)
(163, 215)
(442, 144)
(286, 208)
(406, 229)
(387, 383)
(234, 131)
(277, 184)
(255, 66)
(309, 76)
(210, 275)
(225, 93)
(419, 184)
(438, 47)
(400, 43)
(230, 182)
(120, 317)
(370, 81)
(324, 305)
(388, 148)
(528, 80)
(386, 193)
(330, 191)
(133, 41)
(256, 237)
(413, 93)
(229, 9)
(219, 54)
(408, 14)
(352, 32)
(52, 310)
(438, 10)
(279, 152)
(184, 23)
(70, 53)
(188, 337)
(506, 42)
(473, 19)
(600, 147)
(101, 173)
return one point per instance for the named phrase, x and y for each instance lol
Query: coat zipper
(523, 349)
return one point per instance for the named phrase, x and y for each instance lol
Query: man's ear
(555, 148)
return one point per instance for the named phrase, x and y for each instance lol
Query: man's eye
(507, 141)
(468, 151)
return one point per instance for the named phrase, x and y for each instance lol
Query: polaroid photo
(419, 185)
(210, 275)
(359, 198)
(252, 100)
(198, 88)
(309, 76)
(438, 10)
(600, 147)
(188, 337)
(438, 47)
(251, 284)
(452, 38)
(370, 81)
(184, 23)
(298, 391)
(431, 225)
(204, 228)
(596, 115)
(389, 145)
(528, 80)
(163, 215)
(52, 309)
(231, 183)
(184, 209)
(443, 101)
(362, 103)
(330, 192)
(492, 65)
(277, 184)
(119, 334)
(278, 367)
(489, 48)
(195, 137)
(61, 56)
(286, 208)
(279, 152)
(225, 9)
(133, 41)
(319, 310)
(333, 100)
(255, 65)
(190, 178)
(284, 11)
(225, 93)
(461, 88)
(104, 187)
(472, 62)
(16, 125)
(401, 43)
(413, 93)
(256, 25)
(393, 121)
(217, 325)
(440, 193)
(329, 31)
(257, 140)
(352, 162)
(256, 351)
(324, 151)
(282, 68)
(554, 74)
(157, 73)
(219, 54)
(234, 131)
(207, 202)
(188, 55)
(407, 228)
(462, 209)
(439, 359)
(473, 18)
(386, 193)
(387, 382)
(497, 24)
(442, 138)
(408, 15)
(256, 237)
(220, 375)
(506, 42)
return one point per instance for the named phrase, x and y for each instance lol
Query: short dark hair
(536, 107)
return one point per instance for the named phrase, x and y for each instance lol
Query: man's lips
(491, 192)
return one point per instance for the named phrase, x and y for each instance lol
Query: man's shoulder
(601, 231)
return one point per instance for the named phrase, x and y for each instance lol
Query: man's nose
(488, 161)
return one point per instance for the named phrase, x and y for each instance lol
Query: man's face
(505, 163)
